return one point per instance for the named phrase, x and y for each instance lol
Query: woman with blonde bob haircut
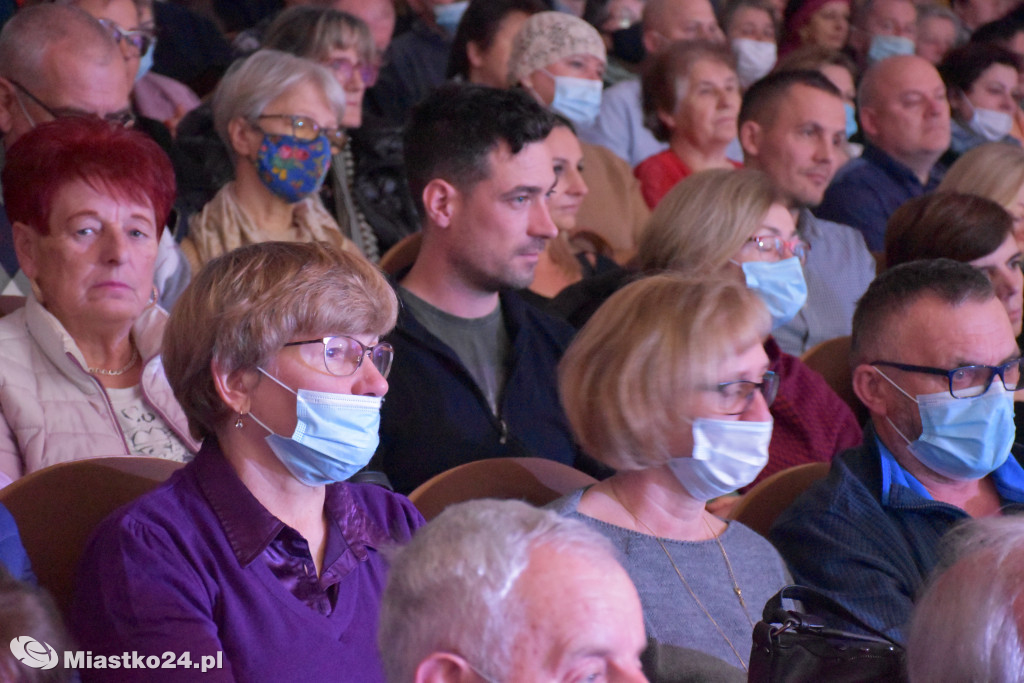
(679, 406)
(994, 171)
(259, 551)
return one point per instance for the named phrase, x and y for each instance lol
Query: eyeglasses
(767, 244)
(345, 69)
(970, 380)
(123, 118)
(137, 39)
(343, 355)
(305, 128)
(734, 398)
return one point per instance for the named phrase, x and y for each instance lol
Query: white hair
(967, 626)
(451, 588)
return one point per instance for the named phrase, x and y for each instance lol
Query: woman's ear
(244, 141)
(26, 247)
(235, 387)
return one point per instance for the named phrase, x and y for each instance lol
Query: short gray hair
(967, 626)
(452, 588)
(253, 83)
(32, 31)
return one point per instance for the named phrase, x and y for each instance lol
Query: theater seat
(58, 507)
(761, 505)
(831, 359)
(535, 480)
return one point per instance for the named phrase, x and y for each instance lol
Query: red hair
(125, 163)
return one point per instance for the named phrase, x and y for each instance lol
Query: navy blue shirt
(867, 190)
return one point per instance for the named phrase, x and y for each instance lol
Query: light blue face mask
(448, 16)
(851, 120)
(335, 436)
(962, 438)
(146, 61)
(780, 284)
(889, 46)
(727, 455)
(577, 99)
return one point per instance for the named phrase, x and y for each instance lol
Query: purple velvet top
(200, 566)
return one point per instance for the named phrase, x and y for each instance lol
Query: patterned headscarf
(547, 37)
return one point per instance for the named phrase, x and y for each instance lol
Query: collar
(250, 527)
(897, 171)
(894, 474)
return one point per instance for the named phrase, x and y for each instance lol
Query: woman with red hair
(80, 374)
(823, 23)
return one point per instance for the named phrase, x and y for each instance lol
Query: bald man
(904, 114)
(620, 125)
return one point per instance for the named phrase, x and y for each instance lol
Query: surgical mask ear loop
(284, 386)
(901, 390)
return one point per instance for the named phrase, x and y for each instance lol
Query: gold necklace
(120, 371)
(686, 585)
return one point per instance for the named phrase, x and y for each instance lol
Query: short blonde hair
(704, 220)
(628, 378)
(994, 171)
(244, 306)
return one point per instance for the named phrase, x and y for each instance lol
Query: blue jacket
(435, 417)
(13, 557)
(872, 554)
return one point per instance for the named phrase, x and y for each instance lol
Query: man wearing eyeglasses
(935, 363)
(792, 126)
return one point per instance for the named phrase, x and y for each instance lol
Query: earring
(238, 423)
(154, 295)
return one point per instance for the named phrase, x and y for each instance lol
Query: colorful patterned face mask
(292, 168)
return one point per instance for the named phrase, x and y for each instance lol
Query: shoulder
(536, 323)
(568, 504)
(392, 511)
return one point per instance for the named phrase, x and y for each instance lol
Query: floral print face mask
(292, 168)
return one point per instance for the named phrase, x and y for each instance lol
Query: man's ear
(445, 667)
(750, 135)
(8, 103)
(439, 201)
(868, 121)
(868, 385)
(667, 120)
(26, 248)
(235, 388)
(653, 41)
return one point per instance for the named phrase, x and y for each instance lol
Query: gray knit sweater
(670, 613)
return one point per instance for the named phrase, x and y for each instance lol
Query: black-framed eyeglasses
(735, 397)
(137, 39)
(343, 355)
(305, 128)
(123, 118)
(968, 381)
(769, 244)
(345, 69)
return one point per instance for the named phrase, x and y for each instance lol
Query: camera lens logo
(34, 653)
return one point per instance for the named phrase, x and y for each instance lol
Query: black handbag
(791, 647)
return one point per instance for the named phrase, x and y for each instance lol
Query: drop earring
(238, 423)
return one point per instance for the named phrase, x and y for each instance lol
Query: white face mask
(754, 59)
(991, 124)
(727, 455)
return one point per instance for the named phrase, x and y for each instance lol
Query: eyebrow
(525, 189)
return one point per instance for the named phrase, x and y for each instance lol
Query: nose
(574, 183)
(824, 150)
(114, 245)
(624, 674)
(541, 224)
(369, 381)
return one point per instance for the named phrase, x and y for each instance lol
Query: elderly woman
(80, 375)
(679, 407)
(560, 59)
(280, 118)
(994, 171)
(691, 99)
(256, 549)
(982, 83)
(750, 29)
(824, 23)
(733, 223)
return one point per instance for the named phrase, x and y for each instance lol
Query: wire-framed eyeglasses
(305, 128)
(968, 381)
(735, 397)
(137, 39)
(769, 244)
(343, 355)
(123, 118)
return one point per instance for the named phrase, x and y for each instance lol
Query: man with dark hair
(474, 372)
(935, 363)
(792, 126)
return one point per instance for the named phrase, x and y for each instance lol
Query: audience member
(967, 626)
(691, 98)
(981, 83)
(379, 16)
(994, 171)
(256, 549)
(934, 361)
(882, 29)
(815, 23)
(620, 26)
(679, 408)
(734, 223)
(974, 13)
(620, 125)
(792, 127)
(27, 612)
(58, 62)
(500, 591)
(280, 117)
(750, 29)
(938, 32)
(559, 60)
(81, 374)
(483, 42)
(904, 114)
(479, 171)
